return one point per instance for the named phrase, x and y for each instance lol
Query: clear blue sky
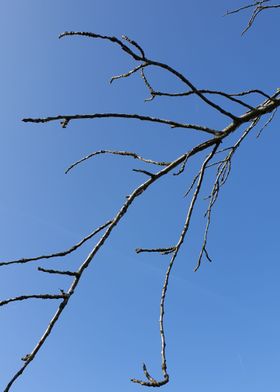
(222, 323)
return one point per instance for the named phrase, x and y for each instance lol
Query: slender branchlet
(58, 254)
(120, 153)
(151, 382)
(258, 6)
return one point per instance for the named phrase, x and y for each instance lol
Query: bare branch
(115, 40)
(68, 118)
(58, 254)
(254, 91)
(134, 43)
(223, 167)
(182, 168)
(258, 8)
(163, 251)
(137, 192)
(129, 73)
(256, 3)
(143, 58)
(188, 93)
(32, 296)
(267, 123)
(266, 107)
(149, 87)
(59, 272)
(121, 153)
(223, 172)
(147, 173)
(155, 383)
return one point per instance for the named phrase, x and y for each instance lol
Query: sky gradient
(222, 323)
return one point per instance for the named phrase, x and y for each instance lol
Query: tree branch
(58, 254)
(67, 118)
(258, 8)
(251, 117)
(121, 153)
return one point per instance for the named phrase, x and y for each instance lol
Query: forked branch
(258, 6)
(248, 120)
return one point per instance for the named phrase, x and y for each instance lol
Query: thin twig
(267, 107)
(59, 272)
(182, 168)
(158, 64)
(223, 172)
(252, 115)
(32, 296)
(58, 254)
(267, 123)
(129, 73)
(256, 3)
(171, 123)
(258, 8)
(121, 153)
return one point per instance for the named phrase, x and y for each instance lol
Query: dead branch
(163, 251)
(32, 296)
(59, 272)
(223, 172)
(258, 7)
(151, 381)
(121, 153)
(58, 254)
(65, 119)
(247, 120)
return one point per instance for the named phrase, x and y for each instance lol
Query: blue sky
(222, 323)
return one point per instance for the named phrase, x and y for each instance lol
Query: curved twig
(121, 153)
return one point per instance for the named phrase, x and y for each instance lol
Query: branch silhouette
(207, 151)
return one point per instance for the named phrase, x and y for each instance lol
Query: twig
(267, 123)
(59, 272)
(258, 8)
(137, 192)
(267, 107)
(129, 73)
(155, 383)
(223, 172)
(230, 97)
(68, 118)
(58, 254)
(32, 296)
(149, 87)
(134, 43)
(158, 64)
(182, 168)
(121, 153)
